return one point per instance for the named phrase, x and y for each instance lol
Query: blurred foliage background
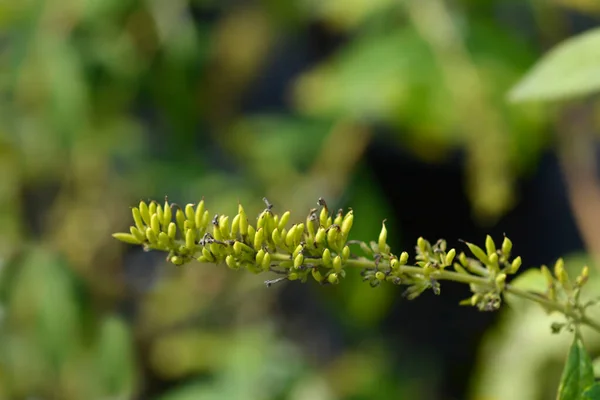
(394, 108)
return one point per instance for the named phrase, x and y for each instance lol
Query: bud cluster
(319, 248)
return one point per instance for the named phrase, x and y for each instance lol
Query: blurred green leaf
(578, 373)
(571, 69)
(115, 357)
(531, 280)
(592, 392)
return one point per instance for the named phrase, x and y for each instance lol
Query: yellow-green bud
(172, 230)
(160, 214)
(176, 260)
(235, 226)
(382, 239)
(231, 263)
(479, 253)
(333, 278)
(276, 236)
(380, 275)
(167, 216)
(494, 260)
(137, 218)
(403, 258)
(259, 238)
(506, 246)
(450, 257)
(266, 262)
(548, 275)
(190, 239)
(217, 232)
(187, 224)
(144, 212)
(151, 236)
(345, 253)
(583, 278)
(299, 233)
(462, 258)
(347, 223)
(290, 237)
(208, 255)
(190, 213)
(323, 217)
(320, 236)
(251, 234)
(259, 256)
(292, 276)
(298, 260)
(327, 258)
(337, 263)
(394, 264)
(243, 224)
(127, 237)
(333, 234)
(152, 208)
(329, 222)
(155, 224)
(490, 246)
(262, 218)
(475, 299)
(515, 265)
(317, 275)
(338, 218)
(297, 250)
(205, 221)
(285, 217)
(163, 240)
(460, 269)
(135, 232)
(422, 244)
(199, 213)
(180, 219)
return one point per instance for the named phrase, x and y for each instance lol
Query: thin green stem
(468, 279)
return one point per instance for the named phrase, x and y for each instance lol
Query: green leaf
(569, 70)
(592, 392)
(578, 373)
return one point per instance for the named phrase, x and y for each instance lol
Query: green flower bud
(293, 276)
(205, 221)
(479, 253)
(323, 218)
(382, 239)
(490, 246)
(310, 226)
(151, 236)
(298, 260)
(235, 226)
(337, 263)
(152, 208)
(127, 237)
(506, 246)
(188, 225)
(583, 277)
(283, 221)
(450, 257)
(231, 263)
(159, 214)
(327, 258)
(190, 213)
(297, 250)
(163, 240)
(180, 219)
(266, 262)
(422, 245)
(333, 234)
(172, 231)
(208, 255)
(320, 236)
(155, 224)
(190, 239)
(329, 222)
(251, 234)
(475, 299)
(339, 218)
(217, 232)
(317, 275)
(403, 258)
(260, 254)
(259, 238)
(176, 260)
(262, 218)
(460, 269)
(515, 265)
(462, 258)
(299, 233)
(548, 275)
(199, 213)
(137, 218)
(380, 275)
(394, 264)
(224, 226)
(333, 279)
(276, 236)
(137, 234)
(167, 216)
(290, 237)
(494, 261)
(144, 212)
(345, 253)
(347, 223)
(561, 273)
